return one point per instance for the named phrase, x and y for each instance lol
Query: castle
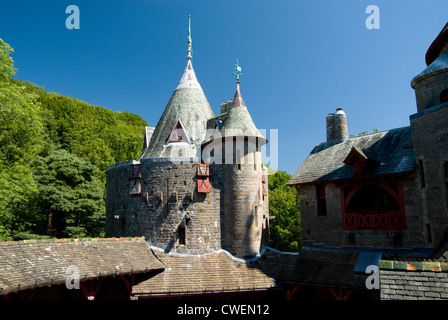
(198, 197)
(199, 184)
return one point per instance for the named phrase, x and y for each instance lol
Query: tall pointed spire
(189, 79)
(187, 107)
(189, 56)
(238, 99)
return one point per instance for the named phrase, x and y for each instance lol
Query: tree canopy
(284, 205)
(40, 131)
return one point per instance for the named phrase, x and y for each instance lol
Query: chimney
(330, 127)
(226, 105)
(337, 130)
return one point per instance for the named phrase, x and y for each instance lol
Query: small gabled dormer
(178, 134)
(362, 160)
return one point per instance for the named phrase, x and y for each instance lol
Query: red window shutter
(203, 184)
(203, 170)
(265, 193)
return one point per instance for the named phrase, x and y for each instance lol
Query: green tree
(284, 205)
(21, 136)
(70, 195)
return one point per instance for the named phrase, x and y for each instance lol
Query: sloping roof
(212, 272)
(237, 122)
(219, 271)
(437, 45)
(392, 148)
(440, 64)
(188, 104)
(314, 267)
(36, 263)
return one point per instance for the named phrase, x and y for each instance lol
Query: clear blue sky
(301, 59)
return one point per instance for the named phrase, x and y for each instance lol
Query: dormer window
(361, 160)
(179, 134)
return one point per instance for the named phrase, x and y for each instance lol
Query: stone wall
(428, 90)
(430, 142)
(168, 212)
(327, 229)
(246, 210)
(322, 230)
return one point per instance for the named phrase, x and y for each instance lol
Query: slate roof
(215, 272)
(437, 45)
(314, 267)
(440, 64)
(237, 122)
(218, 272)
(393, 148)
(36, 263)
(189, 104)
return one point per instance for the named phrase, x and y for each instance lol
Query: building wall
(430, 141)
(246, 210)
(168, 200)
(328, 230)
(321, 230)
(171, 214)
(427, 91)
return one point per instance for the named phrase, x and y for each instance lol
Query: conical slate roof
(439, 45)
(189, 105)
(237, 122)
(436, 57)
(437, 66)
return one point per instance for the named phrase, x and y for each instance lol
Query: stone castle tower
(429, 127)
(199, 184)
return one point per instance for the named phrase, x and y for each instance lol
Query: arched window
(372, 198)
(444, 96)
(373, 206)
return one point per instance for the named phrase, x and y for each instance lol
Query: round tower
(429, 127)
(430, 85)
(244, 201)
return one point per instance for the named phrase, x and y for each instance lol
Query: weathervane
(189, 57)
(237, 72)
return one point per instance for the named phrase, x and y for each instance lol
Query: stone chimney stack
(337, 130)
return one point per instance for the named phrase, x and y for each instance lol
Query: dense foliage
(284, 205)
(54, 151)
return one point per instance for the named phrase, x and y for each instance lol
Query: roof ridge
(68, 240)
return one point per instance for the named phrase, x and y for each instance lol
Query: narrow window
(181, 234)
(238, 159)
(428, 232)
(256, 215)
(445, 170)
(255, 161)
(444, 96)
(321, 200)
(421, 170)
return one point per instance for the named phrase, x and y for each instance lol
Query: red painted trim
(340, 295)
(391, 220)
